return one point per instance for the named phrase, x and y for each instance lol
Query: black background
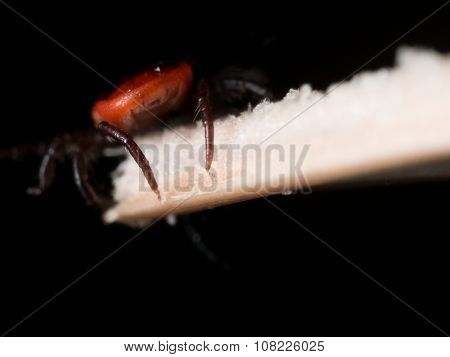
(282, 280)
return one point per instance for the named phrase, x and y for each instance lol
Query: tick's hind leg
(248, 89)
(204, 109)
(200, 245)
(126, 140)
(81, 177)
(47, 168)
(236, 87)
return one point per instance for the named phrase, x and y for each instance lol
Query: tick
(134, 107)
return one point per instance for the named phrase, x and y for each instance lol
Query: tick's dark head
(138, 101)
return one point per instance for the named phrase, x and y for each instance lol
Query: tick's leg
(246, 87)
(200, 245)
(81, 177)
(126, 140)
(23, 151)
(47, 169)
(204, 110)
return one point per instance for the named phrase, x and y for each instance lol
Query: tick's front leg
(81, 177)
(204, 110)
(126, 140)
(47, 169)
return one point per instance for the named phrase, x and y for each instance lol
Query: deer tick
(135, 106)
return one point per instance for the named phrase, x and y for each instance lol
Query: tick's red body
(137, 103)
